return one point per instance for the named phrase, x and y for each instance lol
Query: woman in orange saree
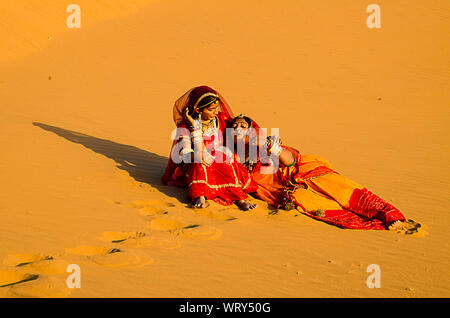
(198, 159)
(309, 184)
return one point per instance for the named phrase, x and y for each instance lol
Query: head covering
(256, 129)
(256, 135)
(194, 99)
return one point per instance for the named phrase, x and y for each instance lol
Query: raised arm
(274, 147)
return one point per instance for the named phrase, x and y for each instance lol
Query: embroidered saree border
(219, 186)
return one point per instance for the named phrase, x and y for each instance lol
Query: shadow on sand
(142, 166)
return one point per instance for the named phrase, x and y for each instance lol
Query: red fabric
(366, 211)
(347, 220)
(190, 98)
(317, 172)
(172, 175)
(369, 205)
(224, 183)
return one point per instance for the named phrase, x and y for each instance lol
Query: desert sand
(85, 126)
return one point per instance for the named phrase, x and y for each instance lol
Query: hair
(247, 119)
(203, 103)
(206, 101)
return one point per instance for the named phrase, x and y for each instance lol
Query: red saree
(224, 181)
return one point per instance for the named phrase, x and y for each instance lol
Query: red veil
(173, 172)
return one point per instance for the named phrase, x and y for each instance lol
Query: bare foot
(200, 203)
(396, 226)
(245, 206)
(406, 227)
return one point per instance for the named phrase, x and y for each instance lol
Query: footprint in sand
(24, 259)
(214, 215)
(162, 224)
(182, 229)
(22, 283)
(37, 263)
(48, 267)
(201, 233)
(12, 277)
(150, 208)
(138, 240)
(91, 250)
(112, 257)
(44, 287)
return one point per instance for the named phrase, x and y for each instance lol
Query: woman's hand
(188, 117)
(273, 145)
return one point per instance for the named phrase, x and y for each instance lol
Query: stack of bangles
(275, 149)
(196, 134)
(185, 155)
(273, 146)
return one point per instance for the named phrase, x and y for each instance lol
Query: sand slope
(85, 123)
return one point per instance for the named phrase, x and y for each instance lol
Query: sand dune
(44, 21)
(85, 128)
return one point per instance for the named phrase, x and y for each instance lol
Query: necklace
(208, 124)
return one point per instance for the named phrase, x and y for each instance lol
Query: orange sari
(318, 191)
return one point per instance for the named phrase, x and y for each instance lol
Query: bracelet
(197, 125)
(276, 149)
(197, 136)
(295, 161)
(185, 151)
(197, 132)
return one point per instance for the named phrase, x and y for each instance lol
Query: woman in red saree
(309, 184)
(198, 159)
